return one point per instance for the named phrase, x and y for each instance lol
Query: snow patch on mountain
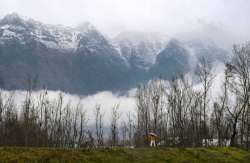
(140, 47)
(16, 27)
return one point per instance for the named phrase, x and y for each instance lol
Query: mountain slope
(173, 60)
(81, 60)
(59, 57)
(140, 49)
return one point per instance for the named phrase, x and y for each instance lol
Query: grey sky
(113, 16)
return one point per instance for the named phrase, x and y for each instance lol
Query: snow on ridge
(85, 27)
(65, 38)
(52, 36)
(144, 46)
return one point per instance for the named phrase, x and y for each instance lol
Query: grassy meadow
(164, 155)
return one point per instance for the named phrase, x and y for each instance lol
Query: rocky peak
(13, 19)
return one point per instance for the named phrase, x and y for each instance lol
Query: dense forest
(180, 114)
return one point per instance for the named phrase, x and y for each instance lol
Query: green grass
(120, 155)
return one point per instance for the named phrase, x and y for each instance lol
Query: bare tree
(240, 86)
(150, 110)
(180, 101)
(124, 133)
(130, 127)
(83, 122)
(99, 125)
(143, 115)
(115, 115)
(219, 112)
(206, 78)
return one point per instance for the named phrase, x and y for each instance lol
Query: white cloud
(112, 16)
(105, 99)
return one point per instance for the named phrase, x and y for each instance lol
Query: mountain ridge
(82, 60)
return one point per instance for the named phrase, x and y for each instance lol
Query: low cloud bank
(106, 100)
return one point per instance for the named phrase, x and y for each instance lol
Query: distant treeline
(179, 113)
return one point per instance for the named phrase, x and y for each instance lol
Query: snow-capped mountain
(15, 27)
(82, 60)
(140, 49)
(77, 59)
(174, 59)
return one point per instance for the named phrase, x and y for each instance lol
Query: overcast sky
(113, 16)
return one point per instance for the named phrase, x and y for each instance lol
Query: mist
(225, 21)
(106, 100)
